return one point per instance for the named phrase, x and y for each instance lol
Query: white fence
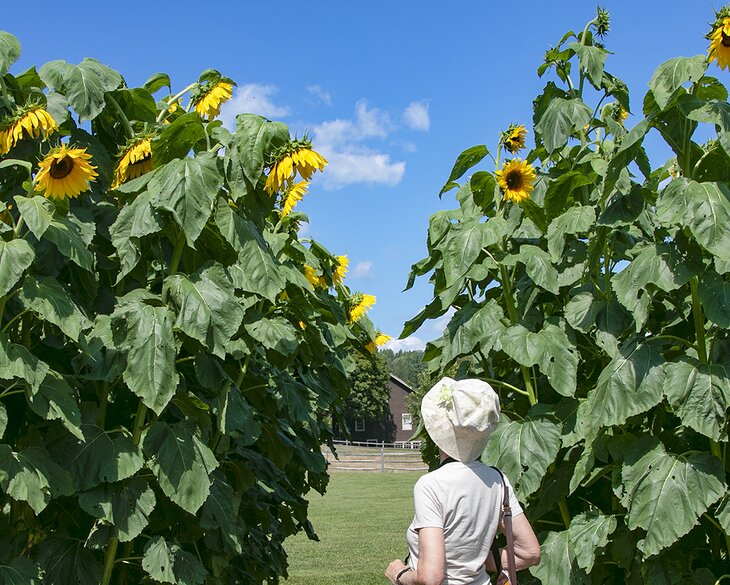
(375, 456)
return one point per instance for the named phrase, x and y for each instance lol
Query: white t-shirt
(465, 499)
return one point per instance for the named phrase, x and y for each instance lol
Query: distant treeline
(406, 365)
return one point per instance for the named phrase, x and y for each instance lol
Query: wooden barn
(396, 425)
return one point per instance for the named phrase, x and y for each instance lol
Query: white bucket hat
(460, 416)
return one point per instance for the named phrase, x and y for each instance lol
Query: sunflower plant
(590, 288)
(172, 353)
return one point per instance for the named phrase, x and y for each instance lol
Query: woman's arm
(527, 547)
(431, 560)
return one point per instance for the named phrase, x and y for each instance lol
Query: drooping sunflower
(719, 49)
(208, 101)
(340, 270)
(517, 180)
(513, 139)
(135, 161)
(292, 196)
(360, 303)
(65, 172)
(297, 158)
(380, 339)
(29, 124)
(316, 280)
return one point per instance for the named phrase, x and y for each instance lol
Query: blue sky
(390, 92)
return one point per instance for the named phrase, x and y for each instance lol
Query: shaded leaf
(177, 138)
(562, 117)
(557, 194)
(168, 563)
(254, 141)
(68, 561)
(465, 161)
(9, 51)
(591, 59)
(15, 258)
(72, 238)
(55, 399)
(276, 334)
(220, 512)
(181, 462)
(102, 457)
(37, 212)
(125, 506)
(673, 74)
(20, 571)
(471, 326)
(538, 265)
(52, 302)
(157, 81)
(17, 362)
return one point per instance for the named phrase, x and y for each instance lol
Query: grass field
(361, 522)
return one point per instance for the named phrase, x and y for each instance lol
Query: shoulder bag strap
(507, 523)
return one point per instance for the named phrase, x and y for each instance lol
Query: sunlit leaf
(167, 562)
(673, 74)
(16, 256)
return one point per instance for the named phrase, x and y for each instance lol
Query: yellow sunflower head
(359, 304)
(135, 161)
(513, 139)
(292, 196)
(719, 50)
(65, 172)
(517, 180)
(211, 96)
(297, 157)
(340, 269)
(30, 123)
(316, 280)
(380, 340)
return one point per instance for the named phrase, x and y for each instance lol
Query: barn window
(359, 424)
(406, 422)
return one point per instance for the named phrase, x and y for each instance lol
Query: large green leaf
(589, 533)
(254, 141)
(32, 476)
(135, 220)
(17, 362)
(9, 51)
(206, 308)
(15, 258)
(256, 270)
(37, 212)
(582, 310)
(471, 326)
(700, 396)
(628, 151)
(465, 161)
(157, 81)
(714, 294)
(168, 563)
(462, 247)
(102, 457)
(187, 188)
(177, 139)
(665, 493)
(83, 85)
(181, 462)
(709, 216)
(276, 334)
(538, 265)
(577, 219)
(67, 561)
(236, 417)
(630, 384)
(72, 238)
(55, 399)
(557, 194)
(660, 266)
(20, 571)
(51, 302)
(673, 74)
(3, 419)
(220, 512)
(125, 506)
(673, 204)
(523, 450)
(561, 118)
(591, 59)
(145, 333)
(549, 349)
(559, 564)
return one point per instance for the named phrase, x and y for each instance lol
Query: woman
(458, 506)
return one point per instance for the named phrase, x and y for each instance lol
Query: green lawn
(361, 522)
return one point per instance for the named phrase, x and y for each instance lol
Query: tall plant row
(591, 288)
(171, 351)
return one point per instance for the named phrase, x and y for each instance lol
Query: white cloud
(363, 269)
(341, 141)
(253, 98)
(416, 116)
(411, 343)
(439, 325)
(324, 96)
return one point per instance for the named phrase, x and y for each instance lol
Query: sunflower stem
(564, 513)
(177, 253)
(122, 116)
(699, 321)
(172, 100)
(111, 553)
